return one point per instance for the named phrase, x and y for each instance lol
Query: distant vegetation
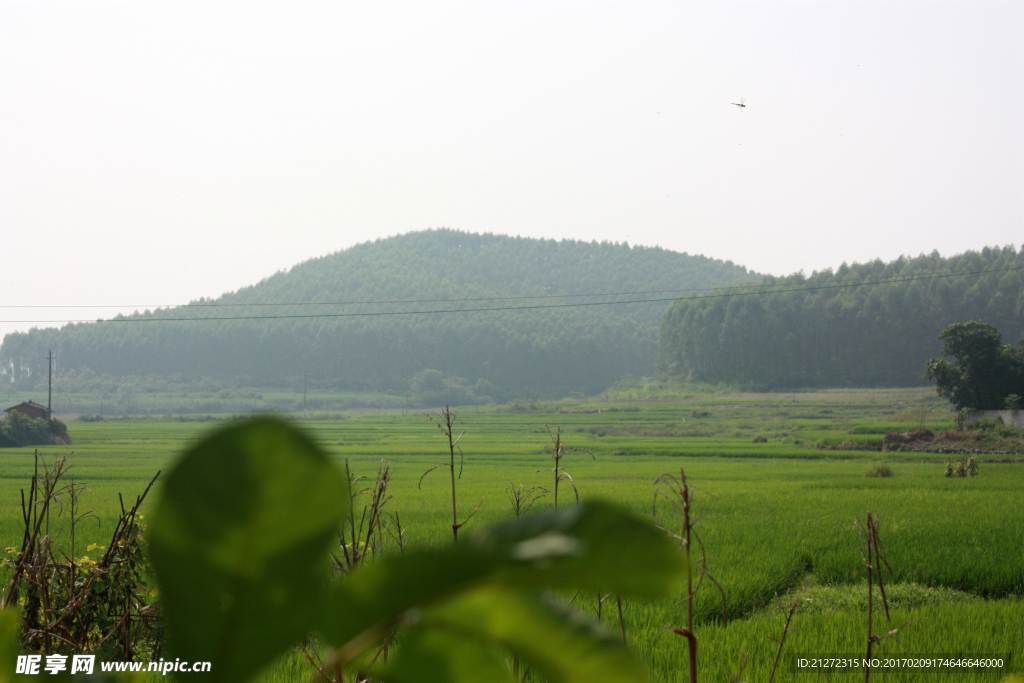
(462, 358)
(840, 328)
(865, 325)
(22, 430)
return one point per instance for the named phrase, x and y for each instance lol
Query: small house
(31, 409)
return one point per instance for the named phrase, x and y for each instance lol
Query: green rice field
(774, 516)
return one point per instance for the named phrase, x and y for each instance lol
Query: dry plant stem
(522, 499)
(316, 667)
(519, 672)
(446, 423)
(785, 629)
(743, 661)
(700, 566)
(679, 493)
(561, 452)
(378, 633)
(622, 619)
(396, 532)
(683, 499)
(691, 641)
(367, 537)
(600, 604)
(873, 554)
(61, 606)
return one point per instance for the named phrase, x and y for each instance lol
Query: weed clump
(964, 467)
(879, 470)
(760, 438)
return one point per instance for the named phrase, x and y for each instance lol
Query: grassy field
(774, 516)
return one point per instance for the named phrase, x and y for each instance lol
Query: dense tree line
(516, 353)
(868, 324)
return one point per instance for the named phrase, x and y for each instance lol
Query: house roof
(29, 404)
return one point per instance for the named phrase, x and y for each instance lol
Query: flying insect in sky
(740, 104)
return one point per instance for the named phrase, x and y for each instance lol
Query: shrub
(760, 439)
(995, 427)
(22, 430)
(879, 470)
(964, 467)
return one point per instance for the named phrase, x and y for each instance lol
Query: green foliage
(21, 430)
(1013, 402)
(559, 645)
(239, 544)
(964, 467)
(985, 373)
(240, 540)
(841, 328)
(71, 604)
(526, 352)
(10, 639)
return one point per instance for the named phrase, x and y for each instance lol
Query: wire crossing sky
(168, 151)
(743, 290)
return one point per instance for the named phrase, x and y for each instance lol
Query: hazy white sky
(152, 153)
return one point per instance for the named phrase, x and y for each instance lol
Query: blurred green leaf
(427, 655)
(239, 542)
(10, 643)
(559, 645)
(593, 546)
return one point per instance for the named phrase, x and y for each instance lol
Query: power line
(764, 289)
(754, 286)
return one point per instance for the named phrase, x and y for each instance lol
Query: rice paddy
(774, 516)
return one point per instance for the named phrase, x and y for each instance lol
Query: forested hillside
(869, 324)
(497, 354)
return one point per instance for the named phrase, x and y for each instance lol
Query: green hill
(865, 325)
(498, 354)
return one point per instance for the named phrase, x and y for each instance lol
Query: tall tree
(985, 371)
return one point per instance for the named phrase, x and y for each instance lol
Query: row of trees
(870, 324)
(518, 353)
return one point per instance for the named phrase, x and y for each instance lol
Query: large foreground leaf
(431, 655)
(10, 643)
(239, 543)
(559, 645)
(593, 546)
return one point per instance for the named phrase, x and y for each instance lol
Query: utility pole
(49, 389)
(303, 394)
